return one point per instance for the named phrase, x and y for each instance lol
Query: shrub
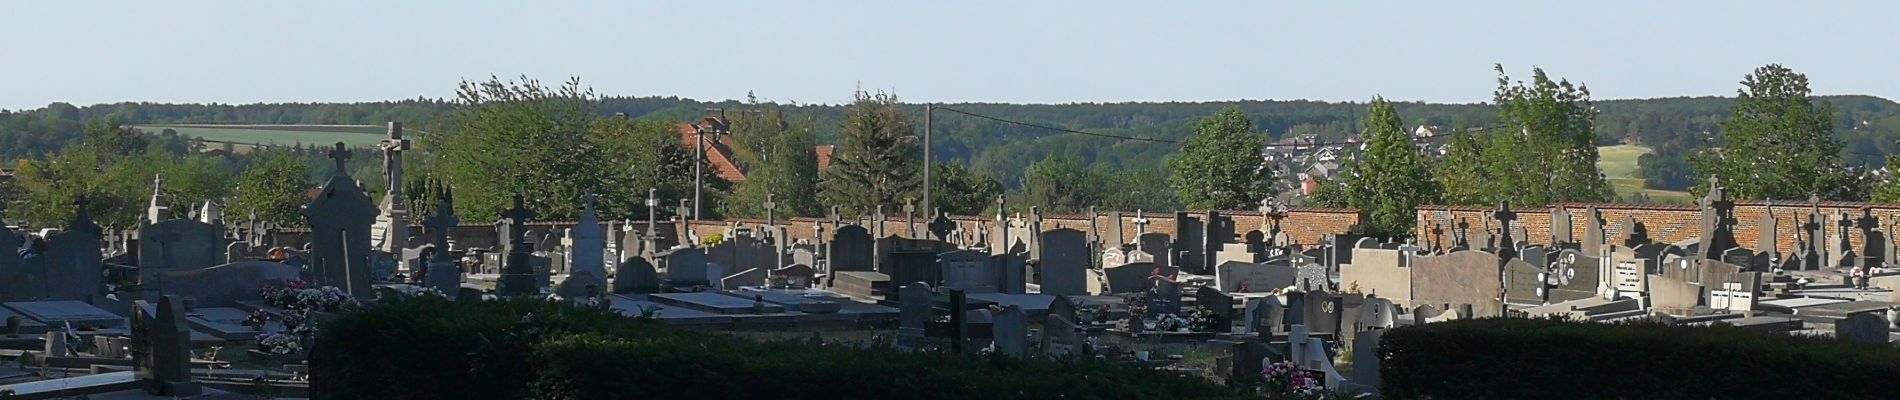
(1505, 358)
(426, 348)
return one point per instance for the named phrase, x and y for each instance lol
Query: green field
(282, 135)
(1619, 165)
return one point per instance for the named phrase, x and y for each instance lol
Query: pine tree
(877, 161)
(1221, 165)
(1777, 143)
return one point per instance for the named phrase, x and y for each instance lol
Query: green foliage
(1777, 144)
(433, 348)
(780, 160)
(1220, 166)
(647, 154)
(1516, 358)
(1544, 148)
(1390, 183)
(118, 187)
(1139, 189)
(877, 160)
(273, 187)
(1666, 171)
(1060, 184)
(961, 191)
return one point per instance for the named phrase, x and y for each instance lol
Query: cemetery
(1179, 301)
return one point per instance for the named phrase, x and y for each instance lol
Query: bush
(427, 348)
(1545, 359)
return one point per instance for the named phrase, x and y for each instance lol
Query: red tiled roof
(718, 153)
(824, 155)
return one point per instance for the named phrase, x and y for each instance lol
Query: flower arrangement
(1287, 378)
(257, 319)
(303, 295)
(278, 343)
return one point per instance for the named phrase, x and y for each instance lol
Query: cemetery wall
(1669, 224)
(1304, 225)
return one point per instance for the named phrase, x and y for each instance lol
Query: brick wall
(1669, 224)
(1304, 225)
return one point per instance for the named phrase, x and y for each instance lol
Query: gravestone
(225, 285)
(686, 267)
(913, 313)
(1322, 312)
(1010, 331)
(1188, 249)
(795, 276)
(1059, 338)
(850, 249)
(1155, 245)
(636, 275)
(443, 272)
(1113, 256)
(1718, 222)
(1064, 259)
(1375, 313)
(1239, 277)
(391, 231)
(1265, 315)
(16, 281)
(161, 350)
(1220, 304)
(1577, 274)
(1220, 232)
(1011, 270)
(1863, 328)
(1164, 296)
(178, 245)
(968, 270)
(1523, 283)
(339, 219)
(587, 256)
(1560, 226)
(1129, 278)
(1873, 252)
(72, 263)
(519, 275)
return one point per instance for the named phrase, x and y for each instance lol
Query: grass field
(283, 135)
(1619, 165)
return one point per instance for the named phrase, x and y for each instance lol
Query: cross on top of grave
(1141, 223)
(440, 223)
(82, 220)
(770, 206)
(340, 153)
(1867, 222)
(682, 211)
(1463, 224)
(518, 216)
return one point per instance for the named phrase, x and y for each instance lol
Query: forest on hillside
(1674, 127)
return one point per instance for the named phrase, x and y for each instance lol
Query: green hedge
(426, 348)
(1549, 359)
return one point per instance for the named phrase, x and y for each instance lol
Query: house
(714, 132)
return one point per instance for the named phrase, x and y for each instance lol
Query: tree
(524, 138)
(648, 155)
(1061, 184)
(50, 186)
(961, 191)
(877, 159)
(1777, 143)
(273, 187)
(1139, 189)
(189, 181)
(1221, 166)
(1542, 151)
(784, 164)
(1392, 180)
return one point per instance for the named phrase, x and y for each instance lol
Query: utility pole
(699, 158)
(927, 165)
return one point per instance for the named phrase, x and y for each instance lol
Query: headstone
(162, 351)
(1155, 245)
(1064, 258)
(1265, 315)
(851, 249)
(1165, 296)
(1129, 278)
(178, 245)
(519, 277)
(686, 267)
(913, 313)
(587, 257)
(1059, 338)
(1011, 271)
(225, 285)
(16, 281)
(1863, 328)
(1322, 313)
(340, 218)
(1220, 304)
(1188, 247)
(1010, 331)
(636, 275)
(1560, 226)
(72, 262)
(1239, 277)
(968, 270)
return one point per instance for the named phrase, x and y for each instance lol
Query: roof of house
(720, 154)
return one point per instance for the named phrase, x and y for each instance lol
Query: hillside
(1619, 166)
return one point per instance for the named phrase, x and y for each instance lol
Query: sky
(235, 52)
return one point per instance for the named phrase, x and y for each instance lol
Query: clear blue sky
(87, 52)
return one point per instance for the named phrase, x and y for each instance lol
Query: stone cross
(340, 153)
(1459, 239)
(1438, 236)
(653, 211)
(1141, 223)
(877, 215)
(440, 223)
(517, 217)
(910, 217)
(392, 158)
(770, 206)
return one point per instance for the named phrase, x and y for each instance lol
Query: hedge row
(428, 348)
(1548, 359)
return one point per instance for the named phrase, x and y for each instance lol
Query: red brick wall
(1304, 225)
(1668, 224)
